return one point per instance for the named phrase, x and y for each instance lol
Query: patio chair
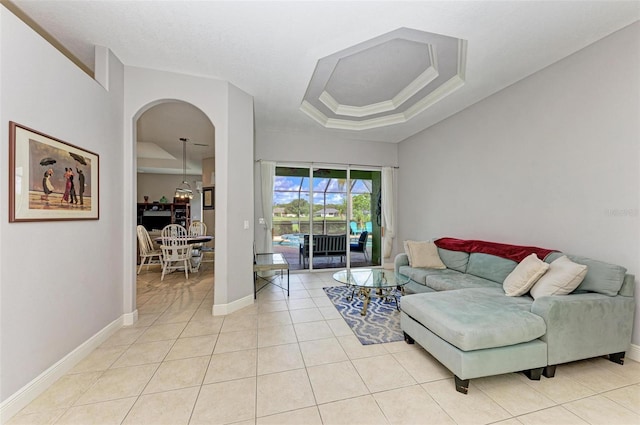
(367, 227)
(361, 245)
(354, 228)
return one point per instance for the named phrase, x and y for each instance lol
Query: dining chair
(147, 252)
(176, 252)
(199, 228)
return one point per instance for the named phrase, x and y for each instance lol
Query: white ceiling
(159, 131)
(271, 49)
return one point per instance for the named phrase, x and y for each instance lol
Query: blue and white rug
(381, 323)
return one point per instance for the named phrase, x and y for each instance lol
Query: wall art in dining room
(50, 179)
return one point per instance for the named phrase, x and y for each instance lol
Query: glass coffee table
(385, 284)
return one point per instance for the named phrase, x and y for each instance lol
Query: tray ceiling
(386, 80)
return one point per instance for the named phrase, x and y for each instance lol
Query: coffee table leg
(367, 293)
(353, 293)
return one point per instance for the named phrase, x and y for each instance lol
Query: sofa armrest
(581, 326)
(401, 260)
(628, 286)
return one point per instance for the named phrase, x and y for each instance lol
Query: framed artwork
(50, 179)
(208, 198)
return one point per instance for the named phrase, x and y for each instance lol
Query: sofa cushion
(420, 274)
(490, 267)
(562, 278)
(455, 280)
(456, 260)
(424, 254)
(603, 278)
(474, 319)
(524, 276)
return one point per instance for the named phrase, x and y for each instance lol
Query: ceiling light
(183, 191)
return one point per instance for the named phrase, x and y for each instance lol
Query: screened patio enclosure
(339, 207)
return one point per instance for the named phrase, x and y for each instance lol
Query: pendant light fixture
(184, 192)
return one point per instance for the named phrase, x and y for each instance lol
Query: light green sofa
(462, 316)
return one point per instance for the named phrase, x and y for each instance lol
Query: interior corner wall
(552, 161)
(239, 203)
(60, 282)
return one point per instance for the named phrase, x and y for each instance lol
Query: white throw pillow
(524, 276)
(562, 278)
(425, 254)
(406, 250)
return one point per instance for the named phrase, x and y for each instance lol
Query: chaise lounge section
(461, 314)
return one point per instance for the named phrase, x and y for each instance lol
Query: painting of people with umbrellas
(53, 180)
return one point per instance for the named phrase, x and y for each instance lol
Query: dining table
(196, 256)
(190, 239)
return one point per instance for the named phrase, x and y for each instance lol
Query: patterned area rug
(381, 323)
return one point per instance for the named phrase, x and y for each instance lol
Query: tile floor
(295, 361)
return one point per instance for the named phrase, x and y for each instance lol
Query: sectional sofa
(459, 312)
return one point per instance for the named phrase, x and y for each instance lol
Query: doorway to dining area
(175, 165)
(327, 217)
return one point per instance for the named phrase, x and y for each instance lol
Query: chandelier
(183, 191)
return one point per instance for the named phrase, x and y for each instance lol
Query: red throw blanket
(511, 252)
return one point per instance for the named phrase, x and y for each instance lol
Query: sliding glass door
(337, 209)
(329, 205)
(364, 218)
(291, 213)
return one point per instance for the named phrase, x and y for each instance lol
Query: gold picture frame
(50, 179)
(208, 198)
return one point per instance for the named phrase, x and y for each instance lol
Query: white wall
(551, 161)
(334, 148)
(239, 202)
(299, 147)
(157, 185)
(146, 88)
(60, 282)
(209, 216)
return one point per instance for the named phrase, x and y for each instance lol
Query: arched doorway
(160, 130)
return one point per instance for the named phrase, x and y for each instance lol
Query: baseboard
(223, 309)
(129, 319)
(634, 353)
(25, 395)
